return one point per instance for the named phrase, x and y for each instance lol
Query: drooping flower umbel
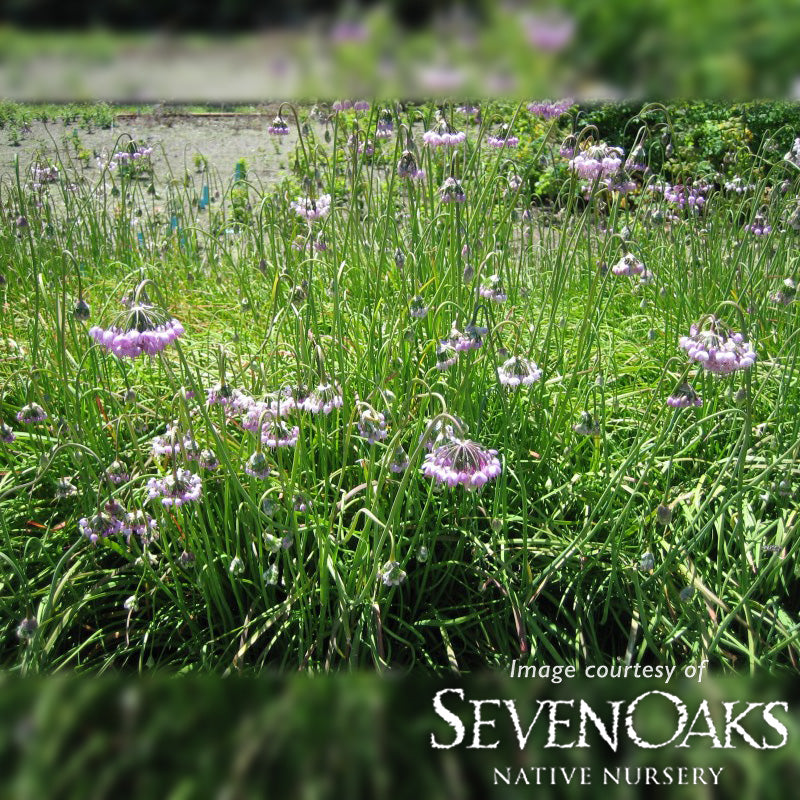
(597, 161)
(442, 134)
(106, 522)
(31, 413)
(550, 109)
(717, 348)
(407, 167)
(391, 574)
(278, 127)
(684, 397)
(628, 265)
(502, 138)
(372, 425)
(517, 371)
(493, 289)
(141, 329)
(451, 191)
(175, 488)
(323, 399)
(312, 208)
(462, 461)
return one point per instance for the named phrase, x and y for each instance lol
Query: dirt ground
(176, 140)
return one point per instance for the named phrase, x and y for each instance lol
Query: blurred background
(356, 736)
(233, 51)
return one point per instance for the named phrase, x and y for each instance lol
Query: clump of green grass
(618, 527)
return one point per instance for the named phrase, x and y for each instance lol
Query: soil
(222, 139)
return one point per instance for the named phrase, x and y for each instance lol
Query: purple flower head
(222, 394)
(470, 339)
(446, 355)
(597, 161)
(681, 196)
(323, 399)
(717, 348)
(103, 524)
(628, 265)
(407, 167)
(142, 525)
(493, 290)
(637, 160)
(550, 109)
(176, 488)
(517, 371)
(759, 226)
(567, 148)
(342, 105)
(684, 397)
(278, 127)
(117, 472)
(277, 433)
(737, 185)
(6, 433)
(451, 191)
(385, 127)
(372, 425)
(442, 134)
(461, 461)
(502, 139)
(399, 460)
(174, 441)
(301, 503)
(31, 414)
(391, 574)
(311, 208)
(81, 311)
(208, 460)
(620, 183)
(141, 329)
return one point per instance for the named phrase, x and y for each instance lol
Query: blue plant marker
(203, 201)
(173, 223)
(140, 237)
(239, 174)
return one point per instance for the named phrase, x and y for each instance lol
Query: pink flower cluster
(461, 461)
(517, 371)
(684, 397)
(133, 342)
(278, 127)
(550, 109)
(312, 208)
(718, 349)
(628, 265)
(597, 161)
(176, 488)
